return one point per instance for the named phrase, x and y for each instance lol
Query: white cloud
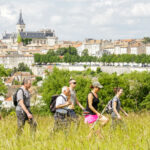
(7, 13)
(79, 19)
(141, 9)
(102, 19)
(56, 19)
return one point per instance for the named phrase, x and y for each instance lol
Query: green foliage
(146, 40)
(143, 58)
(22, 67)
(136, 86)
(85, 52)
(4, 72)
(37, 80)
(19, 39)
(98, 70)
(26, 41)
(53, 84)
(69, 56)
(15, 82)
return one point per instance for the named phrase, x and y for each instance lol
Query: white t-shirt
(59, 101)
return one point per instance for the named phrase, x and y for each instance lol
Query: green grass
(137, 137)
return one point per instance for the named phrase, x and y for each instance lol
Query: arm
(63, 105)
(123, 111)
(115, 110)
(25, 109)
(59, 102)
(90, 100)
(80, 104)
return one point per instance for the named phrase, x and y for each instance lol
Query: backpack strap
(63, 97)
(65, 100)
(23, 94)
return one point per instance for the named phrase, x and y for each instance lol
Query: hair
(71, 80)
(25, 81)
(64, 88)
(117, 89)
(92, 87)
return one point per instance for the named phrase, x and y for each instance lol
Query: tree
(19, 38)
(146, 40)
(26, 41)
(53, 83)
(22, 67)
(85, 52)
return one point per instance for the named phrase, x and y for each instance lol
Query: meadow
(136, 137)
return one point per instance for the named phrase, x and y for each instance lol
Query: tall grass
(136, 137)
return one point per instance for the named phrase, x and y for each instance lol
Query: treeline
(68, 55)
(143, 58)
(136, 87)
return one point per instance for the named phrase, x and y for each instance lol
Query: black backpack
(52, 104)
(15, 97)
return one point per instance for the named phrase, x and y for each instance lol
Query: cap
(97, 84)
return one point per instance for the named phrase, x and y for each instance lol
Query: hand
(99, 115)
(68, 103)
(126, 115)
(83, 109)
(119, 117)
(29, 116)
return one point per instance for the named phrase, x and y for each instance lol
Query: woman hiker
(92, 106)
(116, 105)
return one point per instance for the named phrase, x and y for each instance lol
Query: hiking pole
(98, 118)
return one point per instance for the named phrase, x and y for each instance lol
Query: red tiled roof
(8, 99)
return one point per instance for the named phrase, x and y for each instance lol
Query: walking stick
(98, 118)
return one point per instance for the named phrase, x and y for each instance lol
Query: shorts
(92, 118)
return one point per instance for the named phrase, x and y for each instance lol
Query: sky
(79, 19)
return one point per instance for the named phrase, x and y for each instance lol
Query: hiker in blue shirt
(116, 105)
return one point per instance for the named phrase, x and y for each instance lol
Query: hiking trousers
(61, 121)
(21, 119)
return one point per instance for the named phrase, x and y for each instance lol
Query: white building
(134, 50)
(148, 49)
(93, 46)
(11, 61)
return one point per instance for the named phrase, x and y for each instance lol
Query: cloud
(141, 10)
(79, 19)
(56, 19)
(102, 19)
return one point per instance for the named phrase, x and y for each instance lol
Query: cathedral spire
(20, 20)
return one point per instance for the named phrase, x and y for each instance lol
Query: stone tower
(20, 24)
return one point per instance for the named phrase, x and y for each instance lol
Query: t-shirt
(20, 97)
(59, 101)
(117, 100)
(73, 96)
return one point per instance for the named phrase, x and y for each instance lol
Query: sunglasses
(74, 82)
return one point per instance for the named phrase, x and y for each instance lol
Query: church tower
(20, 24)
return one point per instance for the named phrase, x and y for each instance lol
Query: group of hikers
(65, 104)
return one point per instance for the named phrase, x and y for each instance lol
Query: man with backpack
(62, 102)
(22, 103)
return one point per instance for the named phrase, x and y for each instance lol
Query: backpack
(109, 107)
(52, 105)
(15, 97)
